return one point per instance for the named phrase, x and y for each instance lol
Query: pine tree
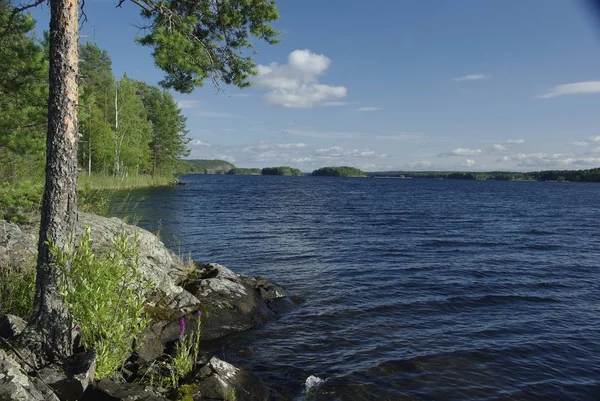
(192, 40)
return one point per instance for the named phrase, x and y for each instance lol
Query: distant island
(283, 170)
(342, 171)
(224, 167)
(591, 175)
(204, 167)
(244, 171)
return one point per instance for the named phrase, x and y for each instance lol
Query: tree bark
(51, 321)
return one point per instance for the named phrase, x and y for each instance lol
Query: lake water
(410, 289)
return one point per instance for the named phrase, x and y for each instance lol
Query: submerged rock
(219, 380)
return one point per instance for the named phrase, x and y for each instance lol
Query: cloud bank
(296, 84)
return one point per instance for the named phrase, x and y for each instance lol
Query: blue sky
(397, 85)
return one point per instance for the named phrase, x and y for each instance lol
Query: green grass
(97, 181)
(17, 288)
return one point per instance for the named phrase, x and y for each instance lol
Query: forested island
(245, 171)
(282, 170)
(342, 171)
(198, 166)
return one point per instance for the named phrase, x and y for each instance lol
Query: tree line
(126, 127)
(589, 175)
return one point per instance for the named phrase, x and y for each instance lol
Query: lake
(411, 289)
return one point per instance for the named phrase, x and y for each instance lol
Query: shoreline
(231, 303)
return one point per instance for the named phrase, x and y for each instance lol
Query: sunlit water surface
(410, 289)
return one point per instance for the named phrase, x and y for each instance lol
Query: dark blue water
(411, 289)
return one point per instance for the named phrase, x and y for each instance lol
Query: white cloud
(515, 141)
(463, 152)
(368, 108)
(498, 147)
(469, 163)
(554, 160)
(471, 77)
(197, 143)
(296, 85)
(590, 141)
(576, 88)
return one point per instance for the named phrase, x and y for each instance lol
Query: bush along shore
(140, 316)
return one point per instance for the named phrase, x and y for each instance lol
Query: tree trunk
(116, 164)
(51, 321)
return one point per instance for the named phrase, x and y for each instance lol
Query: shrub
(17, 289)
(105, 295)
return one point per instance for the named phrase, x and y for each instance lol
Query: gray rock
(231, 302)
(219, 380)
(71, 379)
(15, 385)
(11, 326)
(234, 302)
(107, 390)
(18, 247)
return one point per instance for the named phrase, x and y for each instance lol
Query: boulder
(107, 390)
(16, 385)
(230, 302)
(71, 378)
(219, 380)
(11, 326)
(18, 247)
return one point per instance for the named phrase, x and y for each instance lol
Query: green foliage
(20, 199)
(23, 97)
(204, 167)
(168, 141)
(17, 288)
(283, 170)
(105, 295)
(194, 41)
(134, 131)
(245, 171)
(342, 171)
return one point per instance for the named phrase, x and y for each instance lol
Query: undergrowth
(106, 296)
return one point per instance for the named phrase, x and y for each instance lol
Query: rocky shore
(230, 303)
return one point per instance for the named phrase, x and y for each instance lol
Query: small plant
(187, 349)
(105, 295)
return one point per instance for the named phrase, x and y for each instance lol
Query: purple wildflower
(181, 327)
(199, 314)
